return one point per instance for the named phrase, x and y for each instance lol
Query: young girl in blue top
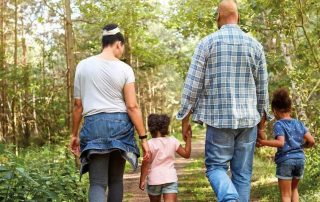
(291, 136)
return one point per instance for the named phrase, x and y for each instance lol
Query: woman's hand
(145, 150)
(75, 145)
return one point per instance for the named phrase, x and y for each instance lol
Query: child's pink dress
(162, 169)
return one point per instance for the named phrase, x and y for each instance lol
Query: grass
(265, 185)
(194, 185)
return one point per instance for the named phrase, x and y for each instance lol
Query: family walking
(226, 89)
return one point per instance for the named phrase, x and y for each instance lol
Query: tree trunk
(26, 111)
(69, 45)
(3, 73)
(296, 97)
(15, 66)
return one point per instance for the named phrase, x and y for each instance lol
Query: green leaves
(53, 177)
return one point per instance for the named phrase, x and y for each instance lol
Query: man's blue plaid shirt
(227, 82)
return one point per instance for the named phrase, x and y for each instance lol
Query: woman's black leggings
(106, 171)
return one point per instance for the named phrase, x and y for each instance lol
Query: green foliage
(160, 40)
(43, 174)
(193, 18)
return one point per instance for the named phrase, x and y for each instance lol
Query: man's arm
(77, 116)
(193, 85)
(261, 81)
(262, 86)
(261, 127)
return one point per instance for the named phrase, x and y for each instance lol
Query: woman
(105, 95)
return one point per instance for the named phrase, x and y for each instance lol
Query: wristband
(143, 137)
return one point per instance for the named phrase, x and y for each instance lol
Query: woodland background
(41, 42)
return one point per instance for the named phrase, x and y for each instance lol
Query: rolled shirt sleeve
(194, 81)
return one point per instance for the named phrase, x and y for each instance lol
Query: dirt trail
(132, 193)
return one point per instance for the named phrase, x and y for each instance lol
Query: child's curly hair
(158, 123)
(281, 100)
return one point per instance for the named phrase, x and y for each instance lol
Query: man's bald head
(227, 13)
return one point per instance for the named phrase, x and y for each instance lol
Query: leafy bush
(43, 174)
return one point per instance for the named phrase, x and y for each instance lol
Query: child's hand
(142, 185)
(259, 143)
(189, 133)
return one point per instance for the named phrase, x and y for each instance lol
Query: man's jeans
(237, 147)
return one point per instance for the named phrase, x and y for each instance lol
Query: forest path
(132, 193)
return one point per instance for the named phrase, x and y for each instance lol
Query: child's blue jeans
(234, 146)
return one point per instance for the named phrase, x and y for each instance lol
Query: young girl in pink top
(162, 176)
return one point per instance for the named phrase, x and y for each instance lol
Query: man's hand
(262, 134)
(186, 127)
(75, 145)
(145, 150)
(186, 130)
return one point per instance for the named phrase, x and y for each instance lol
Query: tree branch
(314, 54)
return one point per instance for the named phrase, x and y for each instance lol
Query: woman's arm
(309, 140)
(77, 116)
(279, 142)
(135, 115)
(133, 109)
(144, 173)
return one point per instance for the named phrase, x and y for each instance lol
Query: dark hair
(281, 100)
(158, 123)
(111, 39)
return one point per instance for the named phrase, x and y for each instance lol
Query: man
(227, 89)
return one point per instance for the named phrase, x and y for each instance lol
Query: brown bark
(15, 60)
(297, 98)
(69, 45)
(26, 111)
(311, 46)
(3, 84)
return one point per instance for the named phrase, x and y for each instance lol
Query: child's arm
(186, 151)
(279, 142)
(309, 140)
(144, 173)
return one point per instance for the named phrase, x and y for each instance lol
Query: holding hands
(261, 136)
(145, 149)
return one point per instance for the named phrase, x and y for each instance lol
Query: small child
(291, 136)
(162, 176)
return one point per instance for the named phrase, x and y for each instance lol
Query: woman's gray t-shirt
(99, 84)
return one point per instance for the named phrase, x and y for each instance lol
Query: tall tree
(3, 74)
(14, 85)
(69, 46)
